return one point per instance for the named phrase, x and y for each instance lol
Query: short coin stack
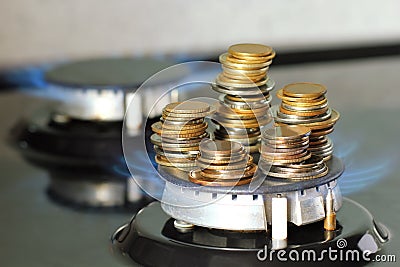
(223, 163)
(178, 135)
(305, 104)
(284, 154)
(245, 87)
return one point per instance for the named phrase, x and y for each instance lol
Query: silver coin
(245, 91)
(302, 109)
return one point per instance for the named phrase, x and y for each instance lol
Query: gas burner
(221, 208)
(222, 226)
(152, 233)
(242, 209)
(79, 140)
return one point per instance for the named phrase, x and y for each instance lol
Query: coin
(194, 139)
(253, 90)
(196, 177)
(169, 126)
(230, 174)
(157, 140)
(231, 58)
(157, 127)
(293, 176)
(243, 64)
(262, 71)
(186, 122)
(304, 108)
(252, 50)
(221, 80)
(225, 160)
(219, 147)
(287, 132)
(187, 107)
(304, 90)
(167, 163)
(287, 98)
(304, 113)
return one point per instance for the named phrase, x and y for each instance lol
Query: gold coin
(220, 147)
(214, 166)
(225, 160)
(282, 145)
(322, 132)
(304, 89)
(230, 174)
(281, 152)
(222, 80)
(174, 139)
(285, 156)
(243, 77)
(186, 122)
(157, 127)
(252, 50)
(287, 132)
(165, 142)
(290, 99)
(196, 177)
(175, 160)
(178, 148)
(183, 116)
(333, 119)
(251, 59)
(303, 109)
(184, 126)
(233, 59)
(255, 72)
(286, 161)
(243, 66)
(319, 142)
(260, 97)
(292, 176)
(187, 107)
(182, 135)
(167, 163)
(303, 113)
(309, 163)
(315, 103)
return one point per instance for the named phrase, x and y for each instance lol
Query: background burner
(79, 140)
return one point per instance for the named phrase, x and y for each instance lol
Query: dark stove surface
(37, 232)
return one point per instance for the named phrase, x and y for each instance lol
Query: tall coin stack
(178, 135)
(245, 87)
(284, 154)
(223, 163)
(305, 104)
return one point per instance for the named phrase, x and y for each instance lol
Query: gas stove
(247, 225)
(368, 153)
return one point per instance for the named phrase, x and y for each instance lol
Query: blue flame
(360, 175)
(147, 178)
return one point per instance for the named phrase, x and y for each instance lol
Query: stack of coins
(284, 154)
(305, 104)
(178, 135)
(245, 87)
(223, 163)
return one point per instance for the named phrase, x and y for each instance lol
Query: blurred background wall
(37, 31)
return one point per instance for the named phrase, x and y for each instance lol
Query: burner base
(150, 239)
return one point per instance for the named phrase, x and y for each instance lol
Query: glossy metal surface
(151, 234)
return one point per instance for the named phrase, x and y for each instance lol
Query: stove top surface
(41, 233)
